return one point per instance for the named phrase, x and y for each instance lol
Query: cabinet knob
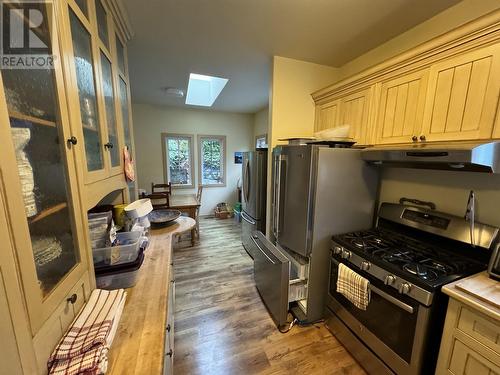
(73, 141)
(170, 353)
(168, 327)
(422, 138)
(414, 138)
(108, 145)
(72, 299)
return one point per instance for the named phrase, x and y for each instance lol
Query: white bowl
(139, 208)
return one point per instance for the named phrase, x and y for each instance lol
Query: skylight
(203, 90)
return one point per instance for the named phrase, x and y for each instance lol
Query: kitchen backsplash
(447, 189)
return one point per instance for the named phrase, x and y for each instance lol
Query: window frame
(166, 169)
(222, 139)
(260, 136)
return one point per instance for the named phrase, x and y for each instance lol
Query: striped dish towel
(84, 347)
(353, 286)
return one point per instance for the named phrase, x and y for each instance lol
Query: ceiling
(236, 39)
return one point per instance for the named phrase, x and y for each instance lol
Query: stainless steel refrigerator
(254, 188)
(318, 191)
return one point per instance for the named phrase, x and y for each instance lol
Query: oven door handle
(392, 299)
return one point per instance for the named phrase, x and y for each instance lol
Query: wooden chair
(161, 188)
(199, 194)
(159, 200)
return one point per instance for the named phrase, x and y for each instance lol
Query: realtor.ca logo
(25, 35)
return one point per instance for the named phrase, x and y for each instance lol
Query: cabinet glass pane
(109, 98)
(41, 166)
(82, 4)
(102, 23)
(120, 51)
(86, 88)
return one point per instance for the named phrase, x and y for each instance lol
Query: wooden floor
(221, 325)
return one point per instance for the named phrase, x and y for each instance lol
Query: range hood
(475, 157)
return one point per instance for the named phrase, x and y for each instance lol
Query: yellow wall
(292, 108)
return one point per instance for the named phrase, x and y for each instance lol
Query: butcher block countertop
(478, 291)
(138, 347)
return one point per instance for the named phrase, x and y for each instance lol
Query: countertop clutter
(139, 346)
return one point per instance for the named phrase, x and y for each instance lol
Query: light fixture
(203, 90)
(173, 91)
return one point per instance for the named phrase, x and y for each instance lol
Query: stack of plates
(21, 137)
(45, 250)
(99, 224)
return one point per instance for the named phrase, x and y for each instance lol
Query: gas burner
(421, 271)
(359, 243)
(398, 256)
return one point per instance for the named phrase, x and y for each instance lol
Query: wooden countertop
(138, 347)
(479, 292)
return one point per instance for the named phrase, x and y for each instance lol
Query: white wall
(261, 122)
(150, 121)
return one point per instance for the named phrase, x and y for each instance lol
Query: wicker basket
(223, 211)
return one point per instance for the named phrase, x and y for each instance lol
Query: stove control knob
(404, 288)
(365, 265)
(389, 279)
(346, 254)
(337, 250)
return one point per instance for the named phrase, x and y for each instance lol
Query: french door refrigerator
(318, 191)
(254, 186)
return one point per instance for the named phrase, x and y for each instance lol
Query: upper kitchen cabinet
(37, 163)
(351, 109)
(401, 108)
(95, 62)
(463, 96)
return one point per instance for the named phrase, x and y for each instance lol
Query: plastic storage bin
(127, 252)
(118, 277)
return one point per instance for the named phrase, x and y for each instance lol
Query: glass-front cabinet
(37, 164)
(94, 70)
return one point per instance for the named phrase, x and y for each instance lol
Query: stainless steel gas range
(407, 257)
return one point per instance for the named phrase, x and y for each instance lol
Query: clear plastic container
(119, 277)
(126, 252)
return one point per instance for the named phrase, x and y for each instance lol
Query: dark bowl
(163, 217)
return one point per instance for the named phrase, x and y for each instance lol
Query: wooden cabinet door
(355, 111)
(463, 96)
(401, 108)
(42, 191)
(464, 360)
(327, 115)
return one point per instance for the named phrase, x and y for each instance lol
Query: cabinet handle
(172, 281)
(170, 353)
(108, 145)
(72, 140)
(414, 138)
(168, 327)
(72, 299)
(422, 138)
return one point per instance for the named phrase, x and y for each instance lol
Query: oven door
(393, 326)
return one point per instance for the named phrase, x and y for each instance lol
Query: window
(212, 160)
(261, 141)
(178, 159)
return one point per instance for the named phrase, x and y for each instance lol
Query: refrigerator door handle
(246, 186)
(247, 218)
(279, 159)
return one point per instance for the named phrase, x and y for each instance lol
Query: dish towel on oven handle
(353, 286)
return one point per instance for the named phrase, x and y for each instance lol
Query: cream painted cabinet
(463, 96)
(351, 109)
(95, 58)
(470, 343)
(401, 108)
(327, 115)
